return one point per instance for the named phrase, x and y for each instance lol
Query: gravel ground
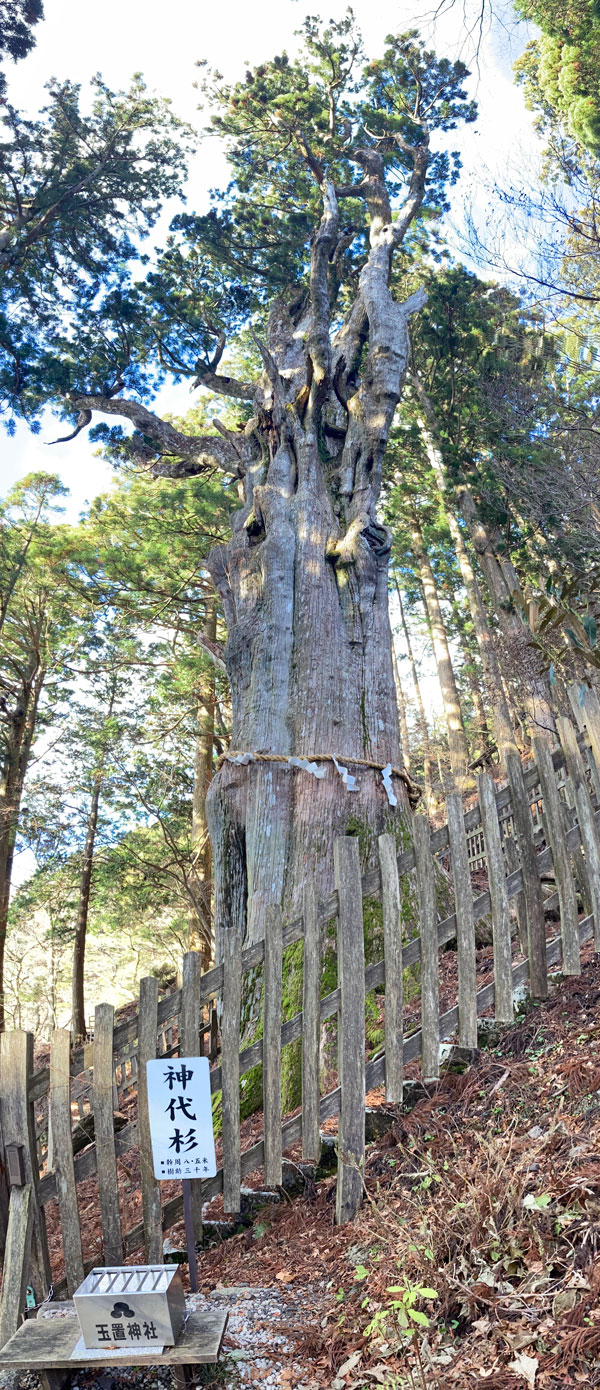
(260, 1347)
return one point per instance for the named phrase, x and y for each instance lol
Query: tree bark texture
(303, 582)
(304, 588)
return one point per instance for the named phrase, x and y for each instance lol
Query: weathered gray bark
(304, 588)
(303, 582)
(309, 659)
(458, 747)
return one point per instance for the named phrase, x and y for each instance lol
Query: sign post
(181, 1131)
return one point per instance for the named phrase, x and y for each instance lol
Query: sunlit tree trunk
(499, 711)
(21, 729)
(404, 738)
(85, 883)
(83, 908)
(457, 740)
(200, 922)
(520, 658)
(422, 725)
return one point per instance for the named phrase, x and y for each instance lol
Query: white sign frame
(181, 1121)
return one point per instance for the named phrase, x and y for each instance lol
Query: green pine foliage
(561, 69)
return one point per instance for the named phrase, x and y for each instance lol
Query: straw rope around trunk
(303, 763)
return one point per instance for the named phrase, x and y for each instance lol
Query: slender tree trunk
(423, 727)
(85, 883)
(471, 677)
(18, 749)
(520, 657)
(83, 907)
(404, 739)
(499, 711)
(457, 740)
(200, 924)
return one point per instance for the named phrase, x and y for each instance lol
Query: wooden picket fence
(544, 822)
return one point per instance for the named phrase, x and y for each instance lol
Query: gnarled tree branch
(193, 453)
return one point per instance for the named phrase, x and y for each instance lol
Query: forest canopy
(386, 481)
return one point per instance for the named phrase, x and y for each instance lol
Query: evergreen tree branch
(194, 453)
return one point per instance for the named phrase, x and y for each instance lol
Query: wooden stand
(46, 1346)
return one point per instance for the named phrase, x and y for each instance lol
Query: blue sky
(164, 42)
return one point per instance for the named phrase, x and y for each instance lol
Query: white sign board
(180, 1113)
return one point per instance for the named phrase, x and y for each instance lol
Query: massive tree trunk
(310, 662)
(303, 581)
(458, 747)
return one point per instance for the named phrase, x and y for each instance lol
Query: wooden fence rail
(554, 819)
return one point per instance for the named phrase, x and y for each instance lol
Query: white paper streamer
(347, 777)
(386, 778)
(305, 766)
(242, 759)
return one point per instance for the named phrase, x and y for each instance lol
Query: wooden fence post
(536, 923)
(465, 922)
(510, 866)
(351, 1029)
(151, 1208)
(189, 1046)
(392, 950)
(503, 985)
(585, 815)
(311, 1027)
(567, 897)
(16, 1066)
(591, 706)
(4, 1194)
(586, 709)
(59, 1116)
(17, 1259)
(430, 1003)
(272, 1046)
(230, 1067)
(102, 1091)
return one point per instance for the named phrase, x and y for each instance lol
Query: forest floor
(486, 1193)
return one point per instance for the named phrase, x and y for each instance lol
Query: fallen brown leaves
(489, 1192)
